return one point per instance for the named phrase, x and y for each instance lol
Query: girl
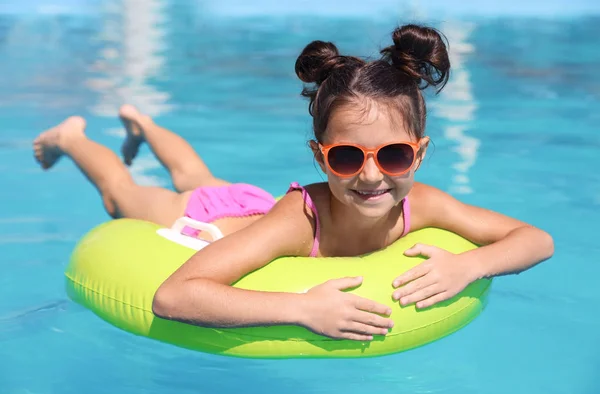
(198, 195)
(368, 121)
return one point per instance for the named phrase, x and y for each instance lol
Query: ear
(423, 143)
(314, 146)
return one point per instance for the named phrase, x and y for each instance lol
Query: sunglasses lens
(396, 158)
(345, 160)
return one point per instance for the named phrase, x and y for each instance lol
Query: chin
(372, 210)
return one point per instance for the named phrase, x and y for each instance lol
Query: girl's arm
(509, 246)
(200, 293)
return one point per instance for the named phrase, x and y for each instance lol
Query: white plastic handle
(213, 230)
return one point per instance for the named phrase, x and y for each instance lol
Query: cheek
(404, 184)
(337, 185)
(334, 181)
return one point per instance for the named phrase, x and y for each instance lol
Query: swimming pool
(515, 131)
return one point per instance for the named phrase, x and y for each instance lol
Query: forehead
(367, 123)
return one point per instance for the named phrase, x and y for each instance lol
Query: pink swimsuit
(209, 203)
(309, 203)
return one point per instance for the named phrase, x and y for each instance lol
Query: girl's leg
(121, 196)
(187, 169)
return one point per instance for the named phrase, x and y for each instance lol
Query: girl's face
(371, 192)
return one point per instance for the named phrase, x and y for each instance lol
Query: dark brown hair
(417, 59)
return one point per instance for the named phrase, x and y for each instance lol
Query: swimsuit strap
(309, 202)
(406, 216)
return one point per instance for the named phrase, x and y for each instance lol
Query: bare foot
(130, 117)
(48, 146)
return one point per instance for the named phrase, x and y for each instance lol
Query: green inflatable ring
(117, 267)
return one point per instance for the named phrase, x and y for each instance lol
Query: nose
(370, 172)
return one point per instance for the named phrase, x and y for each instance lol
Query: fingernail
(388, 312)
(384, 331)
(403, 301)
(395, 284)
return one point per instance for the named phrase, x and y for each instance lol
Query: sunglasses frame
(416, 147)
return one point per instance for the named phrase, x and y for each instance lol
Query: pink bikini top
(309, 202)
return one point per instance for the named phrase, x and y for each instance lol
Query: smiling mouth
(370, 194)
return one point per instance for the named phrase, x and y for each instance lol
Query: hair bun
(419, 52)
(318, 60)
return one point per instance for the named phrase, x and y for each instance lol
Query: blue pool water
(516, 130)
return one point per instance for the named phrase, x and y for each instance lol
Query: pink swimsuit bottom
(209, 203)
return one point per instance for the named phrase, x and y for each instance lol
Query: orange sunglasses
(393, 159)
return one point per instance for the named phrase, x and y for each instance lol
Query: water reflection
(457, 105)
(133, 37)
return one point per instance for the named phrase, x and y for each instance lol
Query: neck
(346, 218)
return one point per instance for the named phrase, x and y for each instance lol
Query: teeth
(373, 193)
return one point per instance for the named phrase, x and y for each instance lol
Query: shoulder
(319, 189)
(297, 194)
(316, 193)
(290, 225)
(430, 206)
(435, 208)
(425, 195)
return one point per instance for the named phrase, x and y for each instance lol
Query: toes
(128, 112)
(129, 151)
(127, 160)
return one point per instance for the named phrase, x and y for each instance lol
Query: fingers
(422, 250)
(420, 295)
(443, 296)
(367, 305)
(364, 329)
(412, 287)
(379, 323)
(356, 337)
(412, 274)
(345, 283)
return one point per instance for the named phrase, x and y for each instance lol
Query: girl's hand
(336, 314)
(440, 277)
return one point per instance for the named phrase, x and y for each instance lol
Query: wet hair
(417, 59)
